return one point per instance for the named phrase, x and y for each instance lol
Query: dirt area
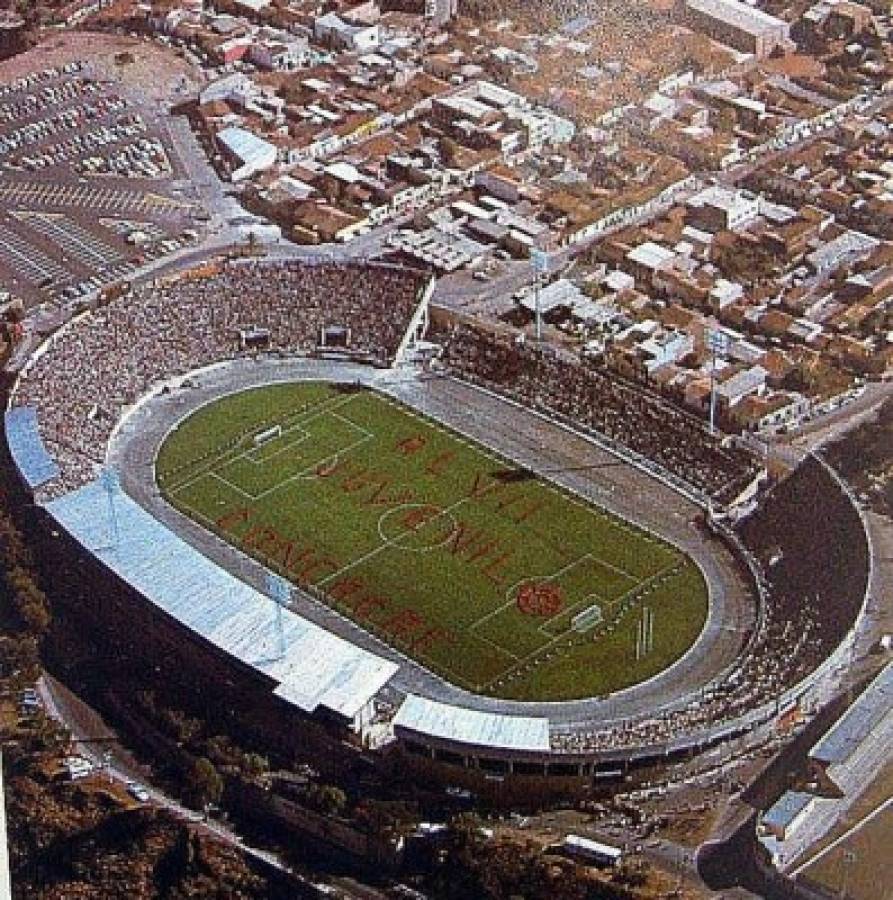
(861, 867)
(155, 71)
(794, 65)
(871, 844)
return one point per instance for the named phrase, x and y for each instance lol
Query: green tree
(255, 764)
(205, 784)
(331, 800)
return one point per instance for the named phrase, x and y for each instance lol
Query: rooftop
(468, 726)
(858, 722)
(311, 667)
(740, 15)
(26, 446)
(787, 808)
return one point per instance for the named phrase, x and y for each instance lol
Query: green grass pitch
(466, 563)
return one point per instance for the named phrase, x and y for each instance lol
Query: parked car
(137, 791)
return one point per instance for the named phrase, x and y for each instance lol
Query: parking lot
(91, 185)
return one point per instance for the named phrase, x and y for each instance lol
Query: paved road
(95, 742)
(829, 426)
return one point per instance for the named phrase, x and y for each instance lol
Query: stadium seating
(812, 545)
(559, 385)
(105, 360)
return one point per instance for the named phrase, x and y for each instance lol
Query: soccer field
(495, 579)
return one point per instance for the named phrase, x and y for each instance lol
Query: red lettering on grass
(236, 517)
(403, 623)
(410, 445)
(256, 535)
(346, 588)
(440, 462)
(432, 636)
(315, 566)
(288, 559)
(494, 569)
(424, 641)
(269, 543)
(479, 486)
(528, 511)
(370, 603)
(378, 497)
(463, 538)
(483, 550)
(418, 516)
(328, 564)
(283, 552)
(299, 559)
(327, 468)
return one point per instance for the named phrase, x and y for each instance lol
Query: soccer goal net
(588, 618)
(267, 435)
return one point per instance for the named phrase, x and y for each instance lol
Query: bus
(590, 851)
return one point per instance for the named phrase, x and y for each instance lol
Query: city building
(743, 27)
(247, 153)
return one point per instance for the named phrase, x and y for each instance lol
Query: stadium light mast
(718, 345)
(539, 261)
(112, 484)
(280, 593)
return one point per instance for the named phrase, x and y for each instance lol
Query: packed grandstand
(84, 379)
(106, 359)
(816, 577)
(668, 438)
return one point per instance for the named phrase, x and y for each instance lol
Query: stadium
(495, 566)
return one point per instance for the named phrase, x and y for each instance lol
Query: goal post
(267, 435)
(587, 618)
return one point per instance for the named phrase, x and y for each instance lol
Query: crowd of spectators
(673, 442)
(811, 545)
(807, 536)
(106, 359)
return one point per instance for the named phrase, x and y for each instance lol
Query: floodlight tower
(718, 345)
(280, 593)
(112, 485)
(539, 262)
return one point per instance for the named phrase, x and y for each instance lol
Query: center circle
(417, 526)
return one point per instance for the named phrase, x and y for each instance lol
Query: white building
(238, 89)
(334, 32)
(544, 128)
(280, 55)
(249, 153)
(742, 384)
(739, 25)
(720, 209)
(665, 348)
(724, 293)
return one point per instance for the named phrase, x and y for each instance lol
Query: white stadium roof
(860, 722)
(470, 726)
(313, 668)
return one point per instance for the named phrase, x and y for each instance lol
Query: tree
(205, 784)
(328, 799)
(255, 764)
